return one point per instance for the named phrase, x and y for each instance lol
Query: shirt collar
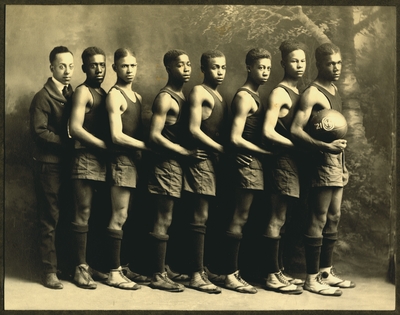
(58, 84)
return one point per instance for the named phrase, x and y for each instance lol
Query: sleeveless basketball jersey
(212, 125)
(283, 124)
(171, 132)
(131, 117)
(253, 125)
(334, 100)
(96, 119)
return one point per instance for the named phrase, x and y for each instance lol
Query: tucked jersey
(96, 119)
(131, 118)
(253, 125)
(171, 132)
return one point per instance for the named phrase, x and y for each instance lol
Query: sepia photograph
(203, 157)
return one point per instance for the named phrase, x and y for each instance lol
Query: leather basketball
(328, 125)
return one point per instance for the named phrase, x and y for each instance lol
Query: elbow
(195, 133)
(153, 139)
(294, 133)
(116, 139)
(268, 135)
(73, 132)
(235, 141)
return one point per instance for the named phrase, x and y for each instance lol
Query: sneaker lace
(281, 277)
(123, 276)
(240, 279)
(167, 279)
(204, 276)
(319, 279)
(333, 273)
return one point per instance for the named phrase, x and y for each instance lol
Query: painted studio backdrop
(366, 36)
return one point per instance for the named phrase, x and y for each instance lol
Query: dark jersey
(253, 126)
(131, 118)
(284, 123)
(334, 100)
(212, 126)
(172, 132)
(96, 119)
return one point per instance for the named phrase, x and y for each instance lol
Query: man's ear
(52, 68)
(83, 68)
(283, 64)
(114, 67)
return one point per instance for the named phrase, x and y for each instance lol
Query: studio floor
(21, 294)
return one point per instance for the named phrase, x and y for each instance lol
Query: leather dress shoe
(51, 281)
(97, 275)
(82, 277)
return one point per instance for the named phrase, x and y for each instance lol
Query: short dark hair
(325, 50)
(209, 54)
(172, 55)
(255, 54)
(58, 50)
(91, 51)
(289, 45)
(123, 52)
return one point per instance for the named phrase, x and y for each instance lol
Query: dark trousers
(50, 178)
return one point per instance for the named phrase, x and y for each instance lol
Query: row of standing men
(189, 141)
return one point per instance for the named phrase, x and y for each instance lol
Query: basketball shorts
(165, 177)
(123, 172)
(199, 178)
(250, 176)
(282, 175)
(330, 170)
(89, 165)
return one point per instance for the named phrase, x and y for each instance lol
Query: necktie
(65, 92)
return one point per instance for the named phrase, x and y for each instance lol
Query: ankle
(325, 269)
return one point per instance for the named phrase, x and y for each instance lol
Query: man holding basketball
(328, 175)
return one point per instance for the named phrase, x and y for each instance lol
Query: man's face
(260, 70)
(95, 68)
(330, 67)
(214, 71)
(295, 64)
(126, 68)
(180, 68)
(62, 67)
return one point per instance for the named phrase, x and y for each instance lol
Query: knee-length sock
(312, 247)
(270, 253)
(328, 244)
(114, 247)
(79, 235)
(231, 251)
(158, 251)
(196, 250)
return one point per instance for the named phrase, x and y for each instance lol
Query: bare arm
(114, 103)
(196, 98)
(80, 99)
(310, 98)
(277, 99)
(241, 106)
